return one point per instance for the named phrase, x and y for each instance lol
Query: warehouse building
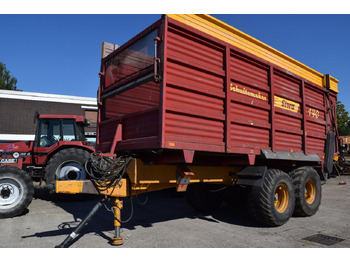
(18, 109)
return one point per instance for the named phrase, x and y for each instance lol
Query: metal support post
(117, 207)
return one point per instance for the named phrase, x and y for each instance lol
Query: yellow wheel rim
(281, 198)
(310, 191)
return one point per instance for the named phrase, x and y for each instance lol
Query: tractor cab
(54, 128)
(56, 132)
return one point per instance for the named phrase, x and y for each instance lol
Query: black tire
(16, 191)
(67, 164)
(202, 197)
(308, 191)
(272, 204)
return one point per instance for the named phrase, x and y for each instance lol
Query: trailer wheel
(16, 191)
(308, 191)
(202, 197)
(67, 164)
(272, 204)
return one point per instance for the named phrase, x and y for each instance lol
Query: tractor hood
(15, 149)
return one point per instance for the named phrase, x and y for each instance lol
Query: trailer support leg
(117, 240)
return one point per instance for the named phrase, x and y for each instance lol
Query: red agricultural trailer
(193, 101)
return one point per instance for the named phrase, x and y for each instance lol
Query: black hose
(106, 172)
(81, 225)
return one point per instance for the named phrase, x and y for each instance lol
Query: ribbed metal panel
(315, 145)
(288, 114)
(220, 30)
(141, 125)
(314, 97)
(249, 137)
(183, 128)
(184, 76)
(246, 114)
(288, 124)
(194, 92)
(316, 130)
(287, 87)
(193, 103)
(316, 119)
(106, 134)
(137, 99)
(247, 93)
(315, 115)
(184, 46)
(247, 71)
(288, 142)
(135, 128)
(249, 103)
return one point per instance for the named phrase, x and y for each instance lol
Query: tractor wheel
(202, 197)
(308, 191)
(16, 191)
(67, 164)
(272, 204)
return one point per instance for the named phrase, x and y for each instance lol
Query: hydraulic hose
(81, 225)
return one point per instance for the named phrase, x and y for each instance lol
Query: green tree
(7, 81)
(343, 120)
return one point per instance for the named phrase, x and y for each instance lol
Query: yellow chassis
(147, 178)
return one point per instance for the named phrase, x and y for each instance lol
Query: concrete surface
(167, 221)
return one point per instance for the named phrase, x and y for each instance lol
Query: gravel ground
(166, 221)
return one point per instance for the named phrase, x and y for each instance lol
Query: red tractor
(58, 152)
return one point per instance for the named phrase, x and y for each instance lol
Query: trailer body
(195, 90)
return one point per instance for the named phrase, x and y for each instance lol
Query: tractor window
(80, 132)
(50, 132)
(68, 130)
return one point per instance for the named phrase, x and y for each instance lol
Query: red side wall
(194, 93)
(219, 98)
